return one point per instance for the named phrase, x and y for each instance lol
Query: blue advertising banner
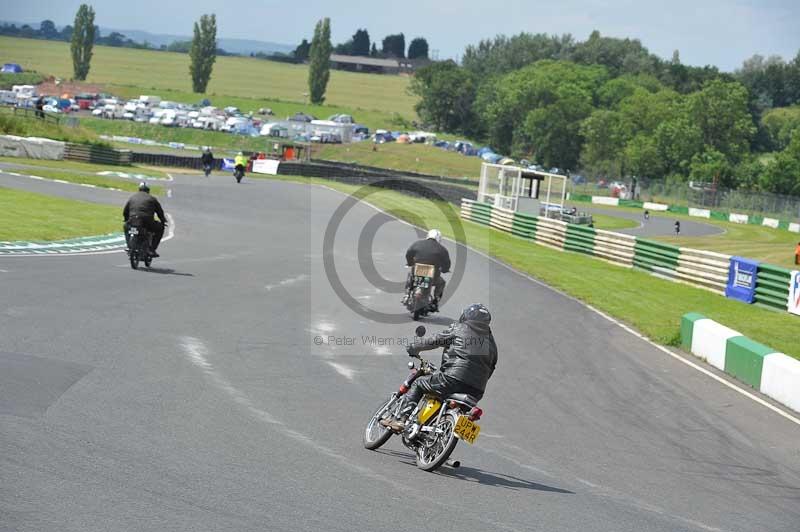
(742, 279)
(227, 164)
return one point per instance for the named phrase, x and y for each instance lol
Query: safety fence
(704, 269)
(690, 211)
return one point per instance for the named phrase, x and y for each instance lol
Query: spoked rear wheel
(376, 435)
(432, 454)
(134, 254)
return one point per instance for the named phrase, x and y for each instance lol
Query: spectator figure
(797, 254)
(677, 227)
(646, 214)
(40, 107)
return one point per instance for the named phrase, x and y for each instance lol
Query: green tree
(604, 143)
(642, 157)
(83, 35)
(782, 175)
(361, 42)
(319, 69)
(781, 124)
(678, 140)
(619, 56)
(446, 95)
(712, 166)
(501, 55)
(48, 29)
(301, 52)
(373, 52)
(721, 113)
(418, 49)
(394, 46)
(203, 52)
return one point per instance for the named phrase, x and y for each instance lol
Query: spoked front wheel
(431, 454)
(375, 434)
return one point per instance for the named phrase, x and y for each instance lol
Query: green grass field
(86, 168)
(408, 157)
(127, 185)
(30, 216)
(612, 223)
(148, 71)
(22, 126)
(652, 305)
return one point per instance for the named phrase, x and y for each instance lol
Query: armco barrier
(772, 286)
(773, 374)
(704, 269)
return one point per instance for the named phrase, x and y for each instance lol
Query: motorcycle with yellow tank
(433, 428)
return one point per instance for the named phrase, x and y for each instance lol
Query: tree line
(49, 31)
(609, 107)
(392, 46)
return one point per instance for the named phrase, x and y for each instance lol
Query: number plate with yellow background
(467, 430)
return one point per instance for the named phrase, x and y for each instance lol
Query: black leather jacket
(429, 251)
(143, 206)
(470, 352)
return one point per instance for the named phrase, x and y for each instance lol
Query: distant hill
(236, 46)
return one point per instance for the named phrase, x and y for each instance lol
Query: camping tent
(11, 68)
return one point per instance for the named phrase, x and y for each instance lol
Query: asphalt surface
(195, 397)
(659, 224)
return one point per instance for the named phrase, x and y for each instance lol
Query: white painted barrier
(605, 200)
(266, 166)
(771, 222)
(794, 228)
(709, 341)
(700, 213)
(780, 379)
(655, 206)
(738, 218)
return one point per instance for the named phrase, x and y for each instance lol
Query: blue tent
(11, 68)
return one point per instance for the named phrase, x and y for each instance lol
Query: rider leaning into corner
(140, 211)
(468, 360)
(430, 251)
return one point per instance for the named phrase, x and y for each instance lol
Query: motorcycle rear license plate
(133, 231)
(467, 430)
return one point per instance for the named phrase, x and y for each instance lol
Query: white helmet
(435, 234)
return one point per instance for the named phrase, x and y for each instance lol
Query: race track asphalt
(195, 397)
(659, 224)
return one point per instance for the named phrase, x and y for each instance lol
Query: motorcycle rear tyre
(447, 450)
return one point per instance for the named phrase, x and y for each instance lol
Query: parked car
(301, 117)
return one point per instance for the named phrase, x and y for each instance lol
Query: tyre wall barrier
(89, 153)
(772, 373)
(700, 268)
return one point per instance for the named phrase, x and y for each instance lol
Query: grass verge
(83, 167)
(98, 181)
(22, 126)
(612, 223)
(30, 216)
(653, 306)
(407, 157)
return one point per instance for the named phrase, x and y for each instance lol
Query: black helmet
(143, 187)
(476, 312)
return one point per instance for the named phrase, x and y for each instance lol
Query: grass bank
(407, 157)
(30, 216)
(152, 71)
(83, 167)
(22, 126)
(651, 305)
(127, 185)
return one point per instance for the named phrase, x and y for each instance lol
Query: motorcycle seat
(463, 398)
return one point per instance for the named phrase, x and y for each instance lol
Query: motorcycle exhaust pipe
(454, 463)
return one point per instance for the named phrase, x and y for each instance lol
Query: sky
(717, 32)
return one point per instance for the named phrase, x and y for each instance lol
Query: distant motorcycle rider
(429, 251)
(468, 361)
(207, 159)
(140, 211)
(241, 160)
